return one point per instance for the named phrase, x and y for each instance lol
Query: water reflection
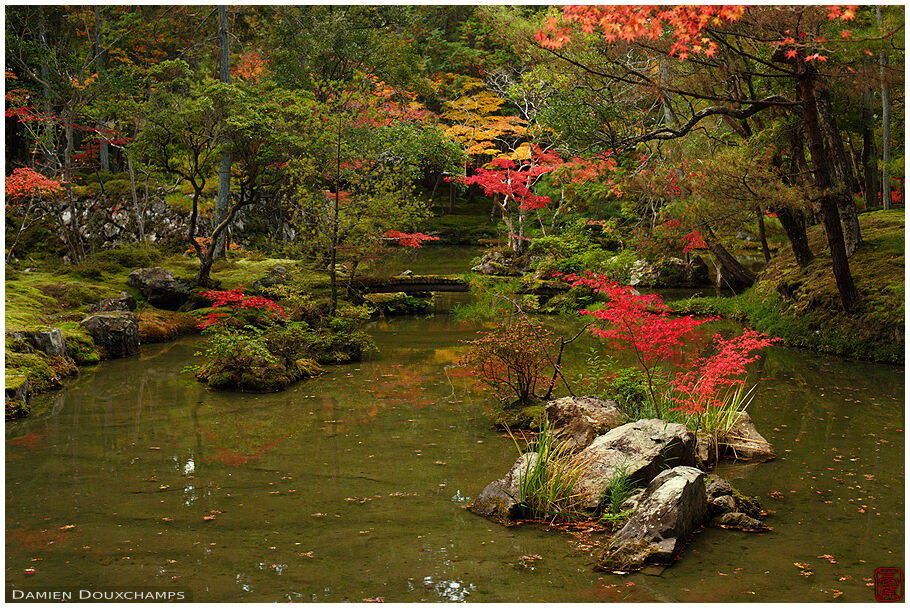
(351, 486)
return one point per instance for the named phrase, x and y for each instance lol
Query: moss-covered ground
(802, 305)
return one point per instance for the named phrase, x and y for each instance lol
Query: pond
(353, 485)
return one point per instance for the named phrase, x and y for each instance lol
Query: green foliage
(547, 488)
(718, 420)
(620, 487)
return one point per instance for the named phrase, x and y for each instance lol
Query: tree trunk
(886, 125)
(46, 139)
(103, 153)
(826, 203)
(75, 237)
(761, 234)
(736, 271)
(451, 198)
(870, 172)
(140, 223)
(435, 187)
(842, 190)
(794, 223)
(224, 169)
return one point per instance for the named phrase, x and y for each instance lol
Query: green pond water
(353, 485)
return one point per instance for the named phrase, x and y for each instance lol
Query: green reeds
(547, 488)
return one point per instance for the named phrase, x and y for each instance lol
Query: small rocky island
(670, 493)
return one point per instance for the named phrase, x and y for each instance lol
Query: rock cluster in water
(678, 498)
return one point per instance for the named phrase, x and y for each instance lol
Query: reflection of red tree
(29, 441)
(33, 540)
(235, 458)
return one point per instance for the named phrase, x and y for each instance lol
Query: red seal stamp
(889, 585)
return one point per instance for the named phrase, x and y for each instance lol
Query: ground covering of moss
(802, 306)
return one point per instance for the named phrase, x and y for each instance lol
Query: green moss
(802, 306)
(17, 409)
(400, 303)
(44, 373)
(747, 504)
(80, 347)
(519, 416)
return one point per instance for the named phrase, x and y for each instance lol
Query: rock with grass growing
(644, 448)
(578, 420)
(115, 333)
(744, 442)
(500, 500)
(47, 340)
(673, 505)
(17, 388)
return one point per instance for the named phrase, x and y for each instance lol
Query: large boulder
(501, 263)
(48, 341)
(278, 275)
(578, 420)
(17, 388)
(122, 302)
(673, 505)
(159, 287)
(643, 448)
(500, 499)
(115, 333)
(744, 442)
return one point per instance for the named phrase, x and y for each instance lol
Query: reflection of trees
(241, 439)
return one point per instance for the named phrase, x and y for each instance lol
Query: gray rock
(721, 504)
(115, 333)
(744, 442)
(738, 521)
(17, 388)
(49, 341)
(499, 500)
(276, 276)
(159, 287)
(672, 507)
(718, 487)
(644, 448)
(123, 302)
(632, 501)
(578, 420)
(706, 452)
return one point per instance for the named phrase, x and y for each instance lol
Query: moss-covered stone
(43, 373)
(747, 504)
(265, 378)
(80, 347)
(17, 409)
(519, 416)
(399, 303)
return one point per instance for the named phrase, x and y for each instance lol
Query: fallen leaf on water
(836, 593)
(154, 447)
(373, 599)
(317, 514)
(307, 554)
(68, 527)
(29, 570)
(167, 519)
(208, 517)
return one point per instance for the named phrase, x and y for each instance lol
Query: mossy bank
(802, 305)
